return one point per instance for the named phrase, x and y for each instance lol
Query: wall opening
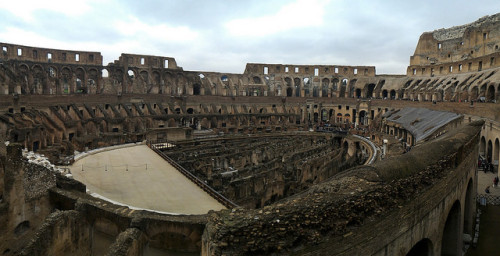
(266, 70)
(19, 52)
(451, 240)
(165, 64)
(77, 57)
(142, 61)
(316, 71)
(422, 248)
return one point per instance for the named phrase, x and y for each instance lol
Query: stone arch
(369, 90)
(39, 85)
(357, 93)
(80, 85)
(92, 81)
(172, 123)
(490, 94)
(363, 120)
(393, 94)
(469, 209)
(343, 87)
(422, 248)
(352, 85)
(257, 80)
(325, 87)
(384, 94)
(196, 89)
(296, 83)
(482, 146)
(451, 237)
(496, 150)
(489, 151)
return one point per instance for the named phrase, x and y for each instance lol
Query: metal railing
(216, 195)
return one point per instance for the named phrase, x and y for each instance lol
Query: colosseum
(283, 159)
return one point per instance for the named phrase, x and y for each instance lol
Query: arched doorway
(469, 209)
(362, 118)
(384, 94)
(422, 248)
(451, 242)
(369, 91)
(358, 93)
(196, 89)
(490, 94)
(482, 146)
(393, 94)
(489, 151)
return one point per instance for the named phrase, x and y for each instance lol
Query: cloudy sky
(223, 35)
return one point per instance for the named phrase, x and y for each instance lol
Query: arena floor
(136, 176)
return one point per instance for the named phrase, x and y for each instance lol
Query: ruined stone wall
(331, 217)
(62, 233)
(25, 202)
(466, 48)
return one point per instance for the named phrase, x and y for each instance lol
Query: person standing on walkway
(495, 182)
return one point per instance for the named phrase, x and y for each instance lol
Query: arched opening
(130, 73)
(422, 248)
(496, 151)
(324, 87)
(393, 94)
(451, 242)
(196, 89)
(490, 95)
(384, 94)
(21, 228)
(324, 115)
(469, 209)
(482, 146)
(289, 91)
(343, 88)
(339, 118)
(489, 151)
(257, 80)
(315, 91)
(347, 117)
(316, 117)
(369, 91)
(296, 82)
(358, 93)
(362, 118)
(104, 73)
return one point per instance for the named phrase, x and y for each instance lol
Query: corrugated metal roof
(421, 122)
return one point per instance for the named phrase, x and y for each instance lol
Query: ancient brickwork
(257, 171)
(466, 48)
(326, 218)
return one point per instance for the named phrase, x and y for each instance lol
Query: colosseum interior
(304, 159)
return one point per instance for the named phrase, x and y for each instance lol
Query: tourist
(487, 190)
(495, 182)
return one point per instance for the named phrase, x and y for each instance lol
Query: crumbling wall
(325, 218)
(62, 233)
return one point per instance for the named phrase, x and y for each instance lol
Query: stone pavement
(136, 176)
(484, 180)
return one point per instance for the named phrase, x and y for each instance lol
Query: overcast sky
(224, 35)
